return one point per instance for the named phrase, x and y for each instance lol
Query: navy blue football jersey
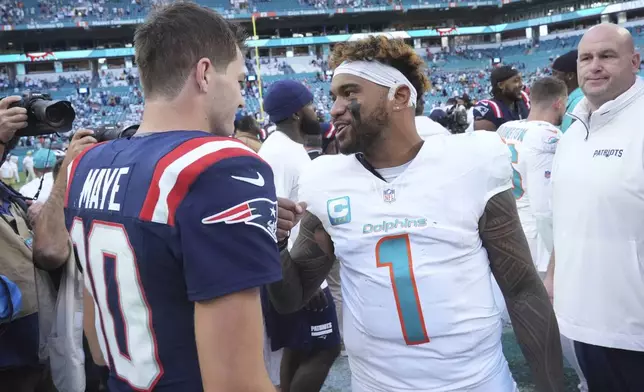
(499, 113)
(160, 221)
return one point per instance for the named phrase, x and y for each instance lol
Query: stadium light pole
(259, 72)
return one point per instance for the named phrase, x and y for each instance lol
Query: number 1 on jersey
(394, 252)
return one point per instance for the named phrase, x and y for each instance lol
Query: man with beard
(417, 226)
(309, 337)
(509, 102)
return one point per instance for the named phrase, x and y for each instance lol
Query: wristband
(283, 244)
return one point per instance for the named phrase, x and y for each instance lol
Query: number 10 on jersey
(394, 252)
(134, 359)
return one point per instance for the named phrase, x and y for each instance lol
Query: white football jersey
(427, 127)
(419, 313)
(533, 145)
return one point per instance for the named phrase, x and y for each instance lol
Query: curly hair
(393, 52)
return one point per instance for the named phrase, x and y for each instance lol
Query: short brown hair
(393, 52)
(545, 91)
(171, 41)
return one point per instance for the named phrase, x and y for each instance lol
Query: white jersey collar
(611, 108)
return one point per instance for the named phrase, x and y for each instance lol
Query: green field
(520, 369)
(22, 181)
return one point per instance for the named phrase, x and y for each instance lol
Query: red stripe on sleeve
(154, 190)
(190, 174)
(152, 196)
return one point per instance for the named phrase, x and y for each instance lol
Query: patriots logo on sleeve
(482, 110)
(260, 212)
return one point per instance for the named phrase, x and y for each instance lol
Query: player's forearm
(231, 364)
(531, 312)
(537, 332)
(51, 240)
(304, 268)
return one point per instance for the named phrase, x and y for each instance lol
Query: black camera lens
(53, 115)
(56, 114)
(45, 116)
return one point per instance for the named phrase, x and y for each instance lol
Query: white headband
(380, 74)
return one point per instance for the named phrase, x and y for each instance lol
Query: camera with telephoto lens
(456, 119)
(45, 115)
(112, 132)
(452, 118)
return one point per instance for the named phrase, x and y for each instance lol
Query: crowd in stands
(16, 12)
(114, 96)
(12, 12)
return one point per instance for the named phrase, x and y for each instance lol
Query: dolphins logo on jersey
(258, 212)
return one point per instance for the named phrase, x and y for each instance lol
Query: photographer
(51, 243)
(52, 250)
(21, 368)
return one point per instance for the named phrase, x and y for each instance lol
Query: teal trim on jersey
(339, 210)
(573, 100)
(395, 252)
(517, 181)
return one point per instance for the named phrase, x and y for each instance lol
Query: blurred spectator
(28, 166)
(565, 69)
(7, 174)
(44, 161)
(248, 131)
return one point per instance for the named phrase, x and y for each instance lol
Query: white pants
(568, 348)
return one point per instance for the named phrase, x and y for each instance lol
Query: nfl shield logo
(389, 195)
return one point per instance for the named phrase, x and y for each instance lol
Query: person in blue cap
(310, 338)
(564, 68)
(44, 162)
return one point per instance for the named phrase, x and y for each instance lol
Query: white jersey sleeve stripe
(166, 194)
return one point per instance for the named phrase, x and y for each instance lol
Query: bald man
(598, 206)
